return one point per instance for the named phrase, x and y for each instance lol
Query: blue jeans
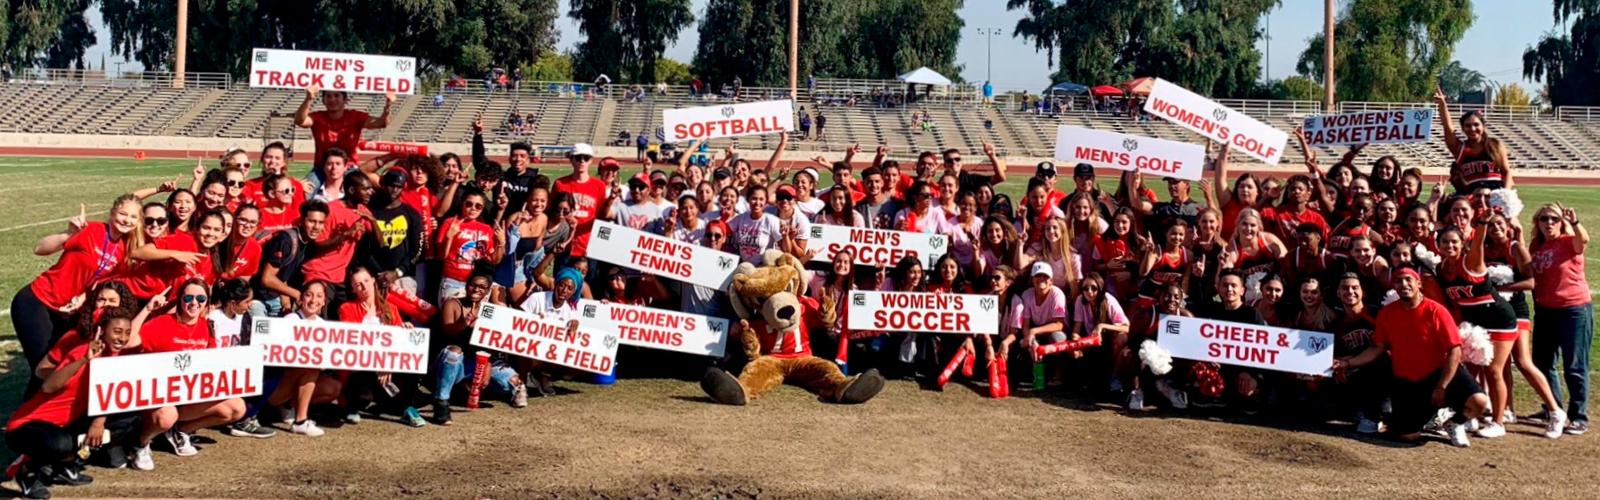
(1567, 332)
(453, 367)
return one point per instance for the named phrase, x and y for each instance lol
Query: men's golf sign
(732, 120)
(1149, 155)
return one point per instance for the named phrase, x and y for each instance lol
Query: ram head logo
(727, 111)
(403, 65)
(1220, 114)
(724, 262)
(182, 361)
(987, 303)
(1130, 144)
(1421, 115)
(419, 336)
(610, 341)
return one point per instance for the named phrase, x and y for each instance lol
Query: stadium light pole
(988, 62)
(183, 44)
(794, 50)
(1327, 55)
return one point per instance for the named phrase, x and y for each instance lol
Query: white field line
(89, 171)
(36, 224)
(91, 183)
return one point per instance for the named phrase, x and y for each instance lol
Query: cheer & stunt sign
(732, 120)
(877, 247)
(334, 345)
(362, 73)
(1220, 123)
(661, 256)
(1243, 344)
(656, 328)
(136, 382)
(924, 312)
(519, 333)
(1158, 157)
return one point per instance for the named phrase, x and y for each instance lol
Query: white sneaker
(1556, 425)
(142, 459)
(307, 428)
(1508, 417)
(1178, 399)
(1366, 425)
(1474, 425)
(181, 444)
(1136, 400)
(1458, 434)
(1491, 431)
(519, 396)
(1440, 421)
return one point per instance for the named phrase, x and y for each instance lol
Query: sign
(334, 345)
(731, 120)
(361, 73)
(398, 148)
(134, 382)
(1370, 127)
(1220, 123)
(924, 312)
(656, 328)
(1158, 157)
(877, 247)
(1242, 344)
(661, 256)
(519, 333)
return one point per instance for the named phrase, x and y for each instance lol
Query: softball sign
(732, 120)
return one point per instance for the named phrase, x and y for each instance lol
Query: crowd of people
(1432, 297)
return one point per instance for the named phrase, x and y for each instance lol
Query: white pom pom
(1421, 255)
(1252, 287)
(1507, 201)
(1391, 296)
(1500, 275)
(1155, 357)
(1475, 346)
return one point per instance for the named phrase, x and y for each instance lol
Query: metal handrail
(97, 77)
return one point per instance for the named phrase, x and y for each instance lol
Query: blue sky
(1493, 46)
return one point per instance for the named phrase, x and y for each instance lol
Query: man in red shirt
(347, 220)
(1424, 348)
(590, 196)
(336, 126)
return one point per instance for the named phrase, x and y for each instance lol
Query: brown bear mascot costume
(777, 342)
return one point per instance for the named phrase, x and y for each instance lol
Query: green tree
(623, 39)
(838, 38)
(52, 33)
(1512, 94)
(673, 72)
(1569, 63)
(550, 68)
(1456, 79)
(1390, 50)
(1294, 88)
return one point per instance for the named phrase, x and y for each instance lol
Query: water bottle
(1038, 375)
(480, 377)
(607, 378)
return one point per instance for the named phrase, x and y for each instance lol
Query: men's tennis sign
(333, 345)
(518, 333)
(1370, 127)
(877, 247)
(136, 382)
(1149, 155)
(656, 328)
(732, 120)
(1242, 344)
(661, 256)
(924, 312)
(1220, 123)
(363, 73)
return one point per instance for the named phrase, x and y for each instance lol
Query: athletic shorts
(1413, 401)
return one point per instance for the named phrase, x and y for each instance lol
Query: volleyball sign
(120, 384)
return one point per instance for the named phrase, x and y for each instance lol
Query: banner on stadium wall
(335, 345)
(661, 256)
(876, 247)
(361, 73)
(656, 328)
(924, 312)
(513, 331)
(1158, 157)
(1220, 123)
(1370, 127)
(731, 120)
(1242, 344)
(136, 382)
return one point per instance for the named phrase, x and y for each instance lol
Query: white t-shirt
(544, 304)
(641, 215)
(227, 331)
(810, 207)
(754, 234)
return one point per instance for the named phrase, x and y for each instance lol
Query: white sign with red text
(924, 312)
(661, 256)
(730, 120)
(1158, 157)
(1220, 123)
(361, 73)
(335, 345)
(513, 331)
(1242, 344)
(1370, 127)
(656, 328)
(134, 382)
(877, 247)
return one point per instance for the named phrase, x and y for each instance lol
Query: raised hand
(477, 124)
(81, 221)
(388, 98)
(312, 92)
(199, 169)
(1438, 95)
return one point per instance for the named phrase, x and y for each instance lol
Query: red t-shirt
(422, 201)
(147, 279)
(64, 406)
(1283, 222)
(246, 260)
(1558, 269)
(167, 334)
(794, 343)
(330, 266)
(345, 132)
(586, 198)
(1419, 338)
(473, 241)
(87, 257)
(271, 223)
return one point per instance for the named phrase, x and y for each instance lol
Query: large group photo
(603, 249)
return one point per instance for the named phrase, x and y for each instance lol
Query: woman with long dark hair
(369, 306)
(177, 257)
(1480, 161)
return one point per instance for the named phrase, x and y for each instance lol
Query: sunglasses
(715, 236)
(240, 165)
(200, 299)
(248, 222)
(286, 191)
(953, 160)
(472, 205)
(583, 157)
(235, 184)
(1548, 218)
(155, 221)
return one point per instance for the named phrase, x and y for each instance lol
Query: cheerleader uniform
(1473, 171)
(1167, 271)
(1517, 299)
(1478, 302)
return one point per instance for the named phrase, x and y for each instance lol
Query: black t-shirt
(1353, 335)
(518, 188)
(1166, 214)
(970, 182)
(286, 250)
(397, 244)
(1244, 314)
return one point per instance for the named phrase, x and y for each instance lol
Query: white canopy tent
(924, 76)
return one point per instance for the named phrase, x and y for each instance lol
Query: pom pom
(1421, 255)
(1500, 275)
(1156, 358)
(1506, 202)
(1207, 379)
(1475, 346)
(1389, 297)
(1252, 287)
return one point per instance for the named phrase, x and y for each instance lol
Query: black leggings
(49, 443)
(38, 327)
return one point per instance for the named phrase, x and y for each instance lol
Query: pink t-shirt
(1027, 311)
(1082, 314)
(1558, 270)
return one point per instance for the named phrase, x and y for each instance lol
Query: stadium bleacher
(563, 113)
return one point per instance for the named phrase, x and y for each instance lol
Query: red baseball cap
(609, 162)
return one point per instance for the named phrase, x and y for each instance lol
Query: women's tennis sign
(877, 247)
(1243, 344)
(333, 345)
(924, 312)
(661, 256)
(656, 328)
(519, 333)
(363, 73)
(1220, 123)
(1149, 155)
(135, 382)
(733, 120)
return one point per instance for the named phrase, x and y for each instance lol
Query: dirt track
(661, 438)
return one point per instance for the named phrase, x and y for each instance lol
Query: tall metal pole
(988, 70)
(794, 50)
(179, 64)
(1327, 55)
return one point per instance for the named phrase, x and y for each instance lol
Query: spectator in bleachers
(516, 79)
(805, 124)
(696, 87)
(821, 122)
(336, 126)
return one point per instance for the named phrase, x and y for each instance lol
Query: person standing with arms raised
(518, 177)
(336, 126)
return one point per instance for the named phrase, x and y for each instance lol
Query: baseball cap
(1042, 268)
(581, 149)
(641, 180)
(785, 191)
(811, 172)
(1045, 169)
(721, 173)
(658, 177)
(1083, 170)
(609, 162)
(394, 177)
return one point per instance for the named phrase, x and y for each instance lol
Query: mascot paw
(862, 388)
(723, 388)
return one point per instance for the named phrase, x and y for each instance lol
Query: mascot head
(777, 284)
